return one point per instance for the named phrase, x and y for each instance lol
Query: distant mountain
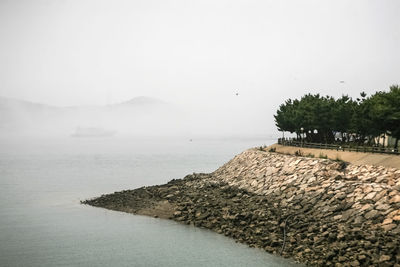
(140, 115)
(13, 104)
(17, 115)
(142, 101)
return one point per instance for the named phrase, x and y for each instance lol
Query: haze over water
(43, 224)
(216, 68)
(198, 54)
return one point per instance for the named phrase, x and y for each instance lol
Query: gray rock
(371, 214)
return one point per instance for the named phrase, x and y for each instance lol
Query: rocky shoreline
(316, 211)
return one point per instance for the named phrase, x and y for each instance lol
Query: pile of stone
(351, 213)
(317, 211)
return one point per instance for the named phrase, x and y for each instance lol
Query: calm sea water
(43, 224)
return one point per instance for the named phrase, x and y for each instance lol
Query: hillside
(139, 116)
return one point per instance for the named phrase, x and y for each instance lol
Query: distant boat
(92, 132)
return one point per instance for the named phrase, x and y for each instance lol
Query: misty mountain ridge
(139, 116)
(142, 100)
(138, 100)
(12, 103)
(6, 102)
(136, 116)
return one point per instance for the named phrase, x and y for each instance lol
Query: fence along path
(346, 147)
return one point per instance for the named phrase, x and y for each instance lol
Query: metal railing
(339, 147)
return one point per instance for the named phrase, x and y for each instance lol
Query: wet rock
(387, 221)
(371, 214)
(384, 258)
(388, 227)
(355, 263)
(361, 257)
(330, 217)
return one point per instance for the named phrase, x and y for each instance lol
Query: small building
(386, 140)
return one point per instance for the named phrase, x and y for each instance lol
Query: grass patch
(343, 164)
(298, 153)
(262, 148)
(322, 156)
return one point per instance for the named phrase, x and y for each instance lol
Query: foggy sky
(197, 54)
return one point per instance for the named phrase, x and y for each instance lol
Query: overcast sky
(196, 53)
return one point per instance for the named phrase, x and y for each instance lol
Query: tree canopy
(321, 118)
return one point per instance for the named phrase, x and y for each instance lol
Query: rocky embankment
(316, 211)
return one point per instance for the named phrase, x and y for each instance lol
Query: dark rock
(322, 228)
(371, 214)
(384, 258)
(355, 263)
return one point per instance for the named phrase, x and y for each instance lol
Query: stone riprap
(316, 211)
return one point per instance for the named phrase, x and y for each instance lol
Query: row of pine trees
(323, 118)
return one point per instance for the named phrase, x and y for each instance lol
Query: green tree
(343, 113)
(365, 117)
(361, 121)
(392, 112)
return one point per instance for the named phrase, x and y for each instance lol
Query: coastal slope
(357, 158)
(316, 211)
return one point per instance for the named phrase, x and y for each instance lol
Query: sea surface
(42, 222)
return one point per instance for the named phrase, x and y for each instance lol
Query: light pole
(302, 137)
(315, 131)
